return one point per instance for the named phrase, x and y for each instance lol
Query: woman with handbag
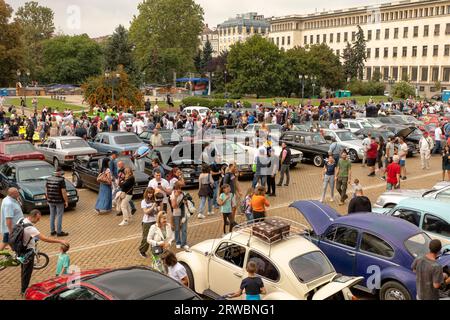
(160, 236)
(104, 198)
(126, 186)
(205, 191)
(179, 216)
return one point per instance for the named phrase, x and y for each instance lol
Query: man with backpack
(11, 213)
(23, 241)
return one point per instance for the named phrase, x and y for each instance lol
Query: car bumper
(42, 205)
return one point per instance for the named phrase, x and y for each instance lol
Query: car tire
(318, 160)
(190, 276)
(353, 156)
(392, 290)
(76, 181)
(56, 163)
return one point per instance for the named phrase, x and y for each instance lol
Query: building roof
(246, 20)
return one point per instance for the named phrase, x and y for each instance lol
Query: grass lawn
(54, 104)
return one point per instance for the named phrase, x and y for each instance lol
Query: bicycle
(10, 259)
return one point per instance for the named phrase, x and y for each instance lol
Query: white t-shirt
(176, 212)
(177, 272)
(437, 134)
(138, 127)
(30, 232)
(164, 184)
(156, 108)
(146, 217)
(404, 151)
(122, 126)
(334, 126)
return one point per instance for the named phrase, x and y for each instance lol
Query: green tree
(403, 90)
(349, 66)
(165, 33)
(37, 25)
(11, 50)
(207, 54)
(71, 59)
(256, 66)
(376, 76)
(198, 62)
(326, 66)
(359, 53)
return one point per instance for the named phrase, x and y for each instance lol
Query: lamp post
(24, 77)
(113, 78)
(314, 79)
(303, 79)
(225, 81)
(211, 75)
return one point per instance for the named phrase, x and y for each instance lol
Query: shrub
(403, 90)
(369, 88)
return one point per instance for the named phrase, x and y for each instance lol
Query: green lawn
(54, 104)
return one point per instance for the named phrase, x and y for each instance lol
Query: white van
(200, 110)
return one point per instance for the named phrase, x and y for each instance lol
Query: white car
(202, 111)
(291, 267)
(354, 125)
(348, 140)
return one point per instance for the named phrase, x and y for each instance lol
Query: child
(253, 285)
(62, 267)
(247, 204)
(226, 202)
(355, 186)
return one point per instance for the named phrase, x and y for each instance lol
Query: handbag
(103, 178)
(157, 250)
(206, 189)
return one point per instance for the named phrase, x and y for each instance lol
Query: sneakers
(186, 247)
(53, 233)
(178, 246)
(123, 223)
(210, 213)
(62, 234)
(201, 216)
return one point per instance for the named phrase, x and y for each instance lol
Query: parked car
(366, 245)
(355, 125)
(132, 283)
(13, 150)
(312, 145)
(412, 136)
(169, 137)
(29, 177)
(390, 199)
(63, 150)
(202, 111)
(375, 122)
(86, 170)
(375, 132)
(126, 143)
(348, 140)
(291, 267)
(430, 215)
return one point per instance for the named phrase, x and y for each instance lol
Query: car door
(51, 150)
(76, 293)
(5, 173)
(410, 215)
(97, 141)
(44, 149)
(374, 255)
(339, 244)
(437, 228)
(92, 171)
(266, 269)
(226, 268)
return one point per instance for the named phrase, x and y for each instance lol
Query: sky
(100, 17)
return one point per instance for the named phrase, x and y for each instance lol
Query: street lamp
(211, 75)
(303, 79)
(225, 80)
(24, 77)
(113, 78)
(314, 79)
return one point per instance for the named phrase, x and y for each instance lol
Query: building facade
(211, 35)
(406, 40)
(240, 28)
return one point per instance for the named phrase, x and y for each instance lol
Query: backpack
(16, 237)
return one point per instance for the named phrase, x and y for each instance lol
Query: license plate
(187, 175)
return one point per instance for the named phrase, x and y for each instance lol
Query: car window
(375, 245)
(354, 125)
(444, 195)
(346, 136)
(343, 235)
(19, 148)
(105, 140)
(9, 172)
(40, 172)
(265, 268)
(78, 293)
(98, 139)
(417, 245)
(232, 253)
(311, 266)
(74, 143)
(288, 137)
(436, 225)
(52, 145)
(408, 215)
(93, 165)
(126, 139)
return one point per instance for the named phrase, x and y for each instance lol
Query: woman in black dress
(446, 162)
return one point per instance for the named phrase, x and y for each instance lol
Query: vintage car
(412, 136)
(430, 215)
(385, 133)
(169, 137)
(389, 199)
(132, 283)
(347, 140)
(63, 150)
(355, 125)
(29, 177)
(377, 247)
(14, 150)
(291, 267)
(312, 145)
(125, 143)
(86, 170)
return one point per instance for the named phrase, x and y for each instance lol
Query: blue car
(379, 248)
(125, 143)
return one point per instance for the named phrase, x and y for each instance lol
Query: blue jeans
(437, 147)
(56, 212)
(180, 231)
(203, 203)
(216, 193)
(257, 178)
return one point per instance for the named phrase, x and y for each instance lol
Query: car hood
(357, 144)
(141, 177)
(404, 193)
(79, 151)
(318, 215)
(404, 133)
(38, 187)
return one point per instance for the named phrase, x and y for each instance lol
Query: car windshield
(315, 139)
(75, 143)
(346, 136)
(311, 266)
(366, 124)
(35, 173)
(417, 245)
(226, 149)
(374, 121)
(127, 139)
(19, 148)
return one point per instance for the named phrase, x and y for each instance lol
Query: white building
(211, 35)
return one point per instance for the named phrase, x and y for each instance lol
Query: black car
(86, 170)
(412, 136)
(29, 177)
(313, 145)
(376, 132)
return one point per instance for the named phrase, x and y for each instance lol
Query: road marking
(214, 220)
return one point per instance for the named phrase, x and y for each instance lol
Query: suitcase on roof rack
(282, 225)
(267, 232)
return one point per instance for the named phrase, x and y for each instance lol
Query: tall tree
(359, 53)
(11, 53)
(165, 33)
(71, 59)
(349, 67)
(207, 54)
(198, 62)
(37, 24)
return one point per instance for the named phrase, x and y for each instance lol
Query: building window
(447, 28)
(318, 38)
(282, 41)
(278, 41)
(345, 36)
(377, 36)
(385, 73)
(424, 76)
(331, 37)
(421, 88)
(435, 74)
(395, 73)
(386, 33)
(324, 38)
(415, 32)
(368, 73)
(426, 30)
(386, 52)
(377, 52)
(446, 75)
(414, 74)
(353, 35)
(435, 50)
(414, 51)
(404, 51)
(424, 51)
(394, 52)
(305, 40)
(405, 73)
(368, 53)
(288, 40)
(395, 33)
(447, 50)
(405, 32)
(437, 29)
(369, 35)
(338, 37)
(338, 53)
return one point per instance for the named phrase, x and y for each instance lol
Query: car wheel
(76, 181)
(56, 162)
(318, 160)
(190, 276)
(353, 155)
(392, 290)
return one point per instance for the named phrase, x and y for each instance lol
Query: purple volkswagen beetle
(379, 248)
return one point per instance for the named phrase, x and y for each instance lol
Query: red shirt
(373, 151)
(392, 171)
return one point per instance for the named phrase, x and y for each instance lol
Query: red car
(13, 150)
(133, 283)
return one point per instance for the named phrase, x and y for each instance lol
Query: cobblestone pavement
(98, 242)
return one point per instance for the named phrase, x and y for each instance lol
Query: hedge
(211, 103)
(369, 88)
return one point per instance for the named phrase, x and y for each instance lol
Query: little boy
(62, 267)
(253, 285)
(355, 186)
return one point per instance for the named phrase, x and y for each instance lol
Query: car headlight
(40, 197)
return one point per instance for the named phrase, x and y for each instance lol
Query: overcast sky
(100, 17)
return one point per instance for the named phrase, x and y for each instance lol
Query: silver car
(390, 199)
(348, 140)
(63, 150)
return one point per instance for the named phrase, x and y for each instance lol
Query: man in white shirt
(333, 125)
(155, 108)
(156, 139)
(138, 126)
(366, 143)
(437, 139)
(122, 126)
(158, 183)
(403, 152)
(425, 146)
